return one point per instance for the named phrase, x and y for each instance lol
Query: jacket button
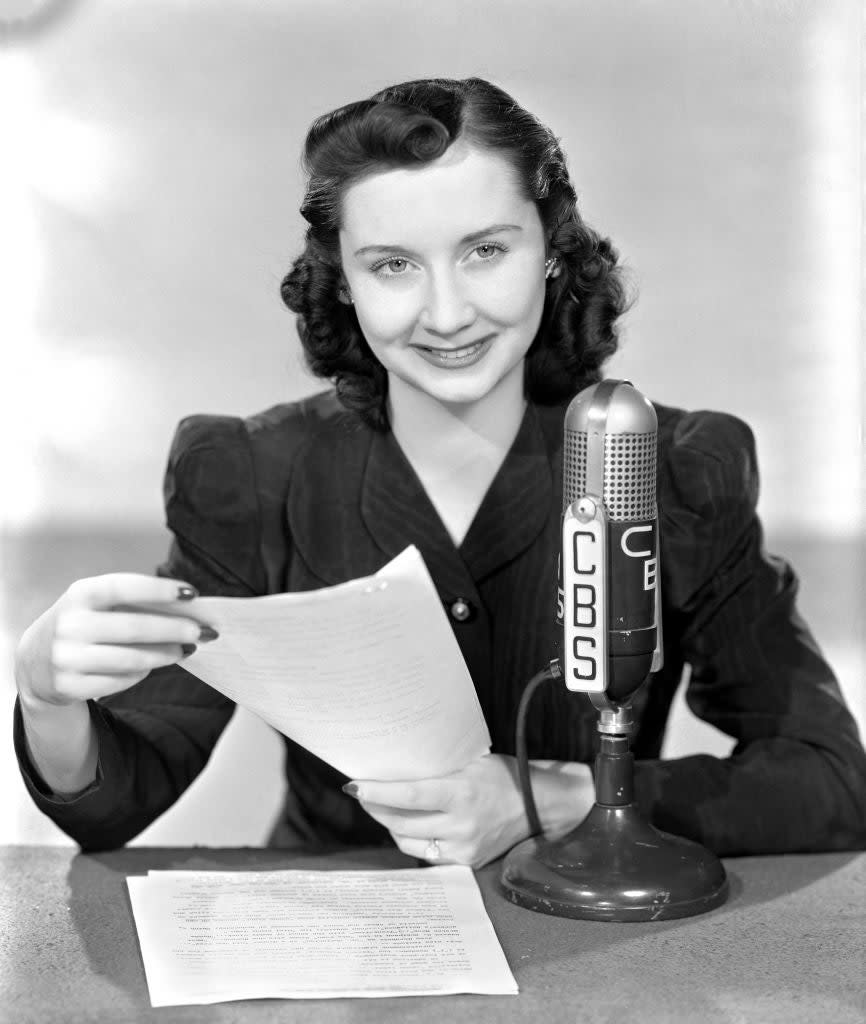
(462, 610)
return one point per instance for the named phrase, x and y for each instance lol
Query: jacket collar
(340, 471)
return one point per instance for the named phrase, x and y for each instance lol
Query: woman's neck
(439, 437)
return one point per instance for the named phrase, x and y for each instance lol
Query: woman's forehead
(465, 189)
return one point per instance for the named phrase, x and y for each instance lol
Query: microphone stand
(614, 866)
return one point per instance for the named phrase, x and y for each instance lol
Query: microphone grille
(629, 473)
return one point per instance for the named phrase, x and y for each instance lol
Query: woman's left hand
(475, 814)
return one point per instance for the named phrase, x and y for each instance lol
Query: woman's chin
(465, 391)
(463, 386)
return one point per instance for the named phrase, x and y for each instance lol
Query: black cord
(550, 673)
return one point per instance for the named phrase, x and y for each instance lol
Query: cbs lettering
(632, 569)
(586, 563)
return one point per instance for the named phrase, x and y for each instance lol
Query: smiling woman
(436, 205)
(450, 312)
(454, 297)
(443, 219)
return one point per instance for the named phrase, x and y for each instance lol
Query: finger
(416, 824)
(108, 659)
(118, 588)
(421, 795)
(88, 626)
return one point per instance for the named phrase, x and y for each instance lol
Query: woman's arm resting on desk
(796, 781)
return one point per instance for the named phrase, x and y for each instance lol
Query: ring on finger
(432, 850)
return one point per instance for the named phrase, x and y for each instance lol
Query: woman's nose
(447, 308)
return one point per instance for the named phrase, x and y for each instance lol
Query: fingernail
(186, 593)
(351, 788)
(187, 649)
(206, 634)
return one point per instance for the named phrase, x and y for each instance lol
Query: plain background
(149, 199)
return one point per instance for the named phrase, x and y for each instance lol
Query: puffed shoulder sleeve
(796, 779)
(212, 509)
(156, 737)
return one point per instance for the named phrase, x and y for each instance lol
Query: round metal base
(614, 867)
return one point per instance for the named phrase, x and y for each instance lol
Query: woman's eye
(487, 250)
(394, 267)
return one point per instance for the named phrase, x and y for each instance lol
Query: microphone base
(614, 867)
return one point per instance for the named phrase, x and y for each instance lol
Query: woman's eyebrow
(475, 236)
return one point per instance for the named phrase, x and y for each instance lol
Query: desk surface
(788, 946)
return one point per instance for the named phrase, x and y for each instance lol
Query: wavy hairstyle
(415, 123)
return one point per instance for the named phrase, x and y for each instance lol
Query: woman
(451, 291)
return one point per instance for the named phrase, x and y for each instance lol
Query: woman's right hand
(104, 634)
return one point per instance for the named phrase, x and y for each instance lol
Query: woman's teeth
(456, 353)
(455, 358)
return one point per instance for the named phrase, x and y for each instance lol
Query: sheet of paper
(213, 936)
(367, 675)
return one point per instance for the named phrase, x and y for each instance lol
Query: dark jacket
(304, 495)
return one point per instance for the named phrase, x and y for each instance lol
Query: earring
(552, 267)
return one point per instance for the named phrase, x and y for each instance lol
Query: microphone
(608, 602)
(614, 866)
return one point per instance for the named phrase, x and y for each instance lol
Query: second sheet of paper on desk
(211, 936)
(367, 675)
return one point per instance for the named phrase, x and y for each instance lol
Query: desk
(788, 946)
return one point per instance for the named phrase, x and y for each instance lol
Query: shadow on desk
(102, 915)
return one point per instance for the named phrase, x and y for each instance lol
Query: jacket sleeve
(157, 736)
(796, 779)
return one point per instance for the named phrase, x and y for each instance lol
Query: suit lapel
(518, 503)
(345, 468)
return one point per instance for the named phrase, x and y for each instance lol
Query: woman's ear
(552, 267)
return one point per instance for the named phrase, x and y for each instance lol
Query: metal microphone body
(608, 602)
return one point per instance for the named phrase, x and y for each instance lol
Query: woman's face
(445, 264)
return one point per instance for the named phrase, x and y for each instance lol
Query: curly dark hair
(415, 123)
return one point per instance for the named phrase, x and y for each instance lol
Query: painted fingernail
(187, 649)
(206, 634)
(351, 788)
(186, 593)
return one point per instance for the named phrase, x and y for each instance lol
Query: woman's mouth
(455, 358)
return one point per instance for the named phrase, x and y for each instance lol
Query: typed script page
(367, 675)
(213, 936)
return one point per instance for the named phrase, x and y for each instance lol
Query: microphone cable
(549, 674)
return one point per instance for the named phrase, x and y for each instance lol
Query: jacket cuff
(98, 800)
